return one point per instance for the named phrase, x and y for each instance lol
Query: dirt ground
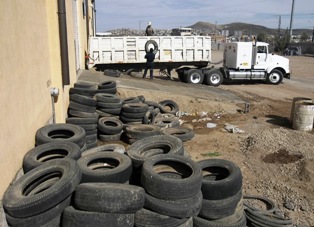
(276, 161)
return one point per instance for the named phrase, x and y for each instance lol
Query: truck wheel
(274, 77)
(213, 78)
(194, 76)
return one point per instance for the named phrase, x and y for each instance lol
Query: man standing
(150, 57)
(149, 29)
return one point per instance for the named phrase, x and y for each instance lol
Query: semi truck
(190, 56)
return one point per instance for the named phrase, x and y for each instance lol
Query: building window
(83, 8)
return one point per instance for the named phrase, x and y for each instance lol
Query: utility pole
(291, 20)
(279, 24)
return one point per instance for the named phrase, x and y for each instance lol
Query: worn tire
(147, 218)
(222, 208)
(107, 98)
(61, 132)
(84, 100)
(107, 91)
(106, 148)
(81, 114)
(48, 152)
(109, 198)
(168, 144)
(134, 108)
(106, 105)
(51, 217)
(200, 222)
(107, 84)
(115, 167)
(80, 120)
(109, 126)
(180, 208)
(173, 107)
(42, 188)
(112, 111)
(130, 100)
(184, 134)
(109, 138)
(224, 179)
(142, 131)
(151, 42)
(89, 92)
(168, 188)
(72, 217)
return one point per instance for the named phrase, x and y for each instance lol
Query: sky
(168, 14)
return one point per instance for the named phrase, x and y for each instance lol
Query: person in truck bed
(149, 29)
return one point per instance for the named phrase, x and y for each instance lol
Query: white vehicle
(242, 61)
(191, 57)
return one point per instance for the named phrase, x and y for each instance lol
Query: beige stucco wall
(30, 65)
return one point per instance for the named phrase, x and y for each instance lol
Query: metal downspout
(63, 42)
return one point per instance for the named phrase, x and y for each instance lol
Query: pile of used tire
(150, 182)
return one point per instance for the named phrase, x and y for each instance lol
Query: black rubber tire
(180, 208)
(163, 122)
(60, 132)
(84, 100)
(80, 107)
(141, 98)
(91, 145)
(107, 91)
(217, 209)
(42, 188)
(152, 103)
(84, 85)
(168, 188)
(91, 138)
(151, 42)
(80, 120)
(83, 91)
(48, 152)
(133, 115)
(115, 111)
(107, 84)
(51, 217)
(109, 126)
(109, 198)
(106, 148)
(147, 218)
(105, 105)
(184, 134)
(174, 108)
(274, 77)
(142, 131)
(200, 222)
(72, 217)
(109, 138)
(169, 145)
(194, 76)
(88, 127)
(91, 132)
(107, 98)
(115, 167)
(103, 114)
(81, 114)
(130, 100)
(224, 179)
(134, 108)
(130, 120)
(213, 77)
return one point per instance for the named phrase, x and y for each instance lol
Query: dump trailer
(191, 57)
(128, 52)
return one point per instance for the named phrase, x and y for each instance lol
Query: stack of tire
(108, 87)
(61, 132)
(140, 131)
(173, 190)
(39, 197)
(82, 111)
(109, 129)
(108, 105)
(133, 113)
(104, 204)
(222, 194)
(142, 149)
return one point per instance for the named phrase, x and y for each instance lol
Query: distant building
(181, 31)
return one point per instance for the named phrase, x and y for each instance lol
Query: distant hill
(247, 29)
